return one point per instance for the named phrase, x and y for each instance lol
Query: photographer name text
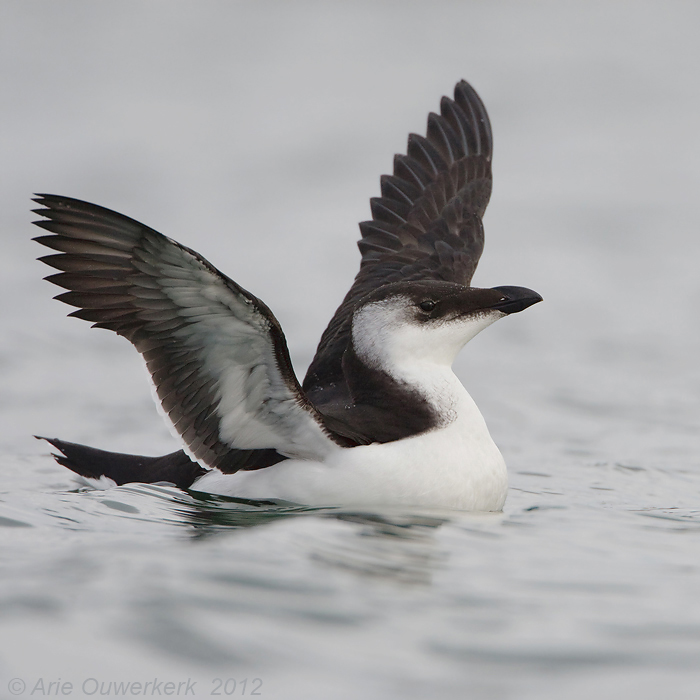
(57, 687)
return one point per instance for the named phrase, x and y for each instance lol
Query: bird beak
(516, 299)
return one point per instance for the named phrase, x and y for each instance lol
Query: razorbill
(380, 418)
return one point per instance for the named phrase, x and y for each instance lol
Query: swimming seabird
(380, 418)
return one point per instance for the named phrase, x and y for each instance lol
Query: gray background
(255, 132)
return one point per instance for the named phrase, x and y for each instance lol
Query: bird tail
(175, 468)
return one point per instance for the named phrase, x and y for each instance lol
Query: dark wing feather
(425, 226)
(217, 355)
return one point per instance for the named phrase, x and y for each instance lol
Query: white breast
(455, 466)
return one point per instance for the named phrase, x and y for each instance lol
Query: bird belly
(456, 466)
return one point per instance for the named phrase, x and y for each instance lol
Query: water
(255, 134)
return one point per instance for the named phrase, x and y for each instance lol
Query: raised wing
(425, 226)
(217, 355)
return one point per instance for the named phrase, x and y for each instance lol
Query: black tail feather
(176, 468)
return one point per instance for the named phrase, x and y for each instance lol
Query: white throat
(419, 355)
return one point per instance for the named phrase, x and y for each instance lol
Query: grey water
(255, 133)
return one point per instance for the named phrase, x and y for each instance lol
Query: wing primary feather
(441, 136)
(407, 168)
(395, 188)
(388, 210)
(426, 154)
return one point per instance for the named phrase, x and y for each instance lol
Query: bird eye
(427, 305)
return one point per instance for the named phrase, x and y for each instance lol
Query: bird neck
(396, 406)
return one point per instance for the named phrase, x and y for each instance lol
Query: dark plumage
(175, 468)
(425, 226)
